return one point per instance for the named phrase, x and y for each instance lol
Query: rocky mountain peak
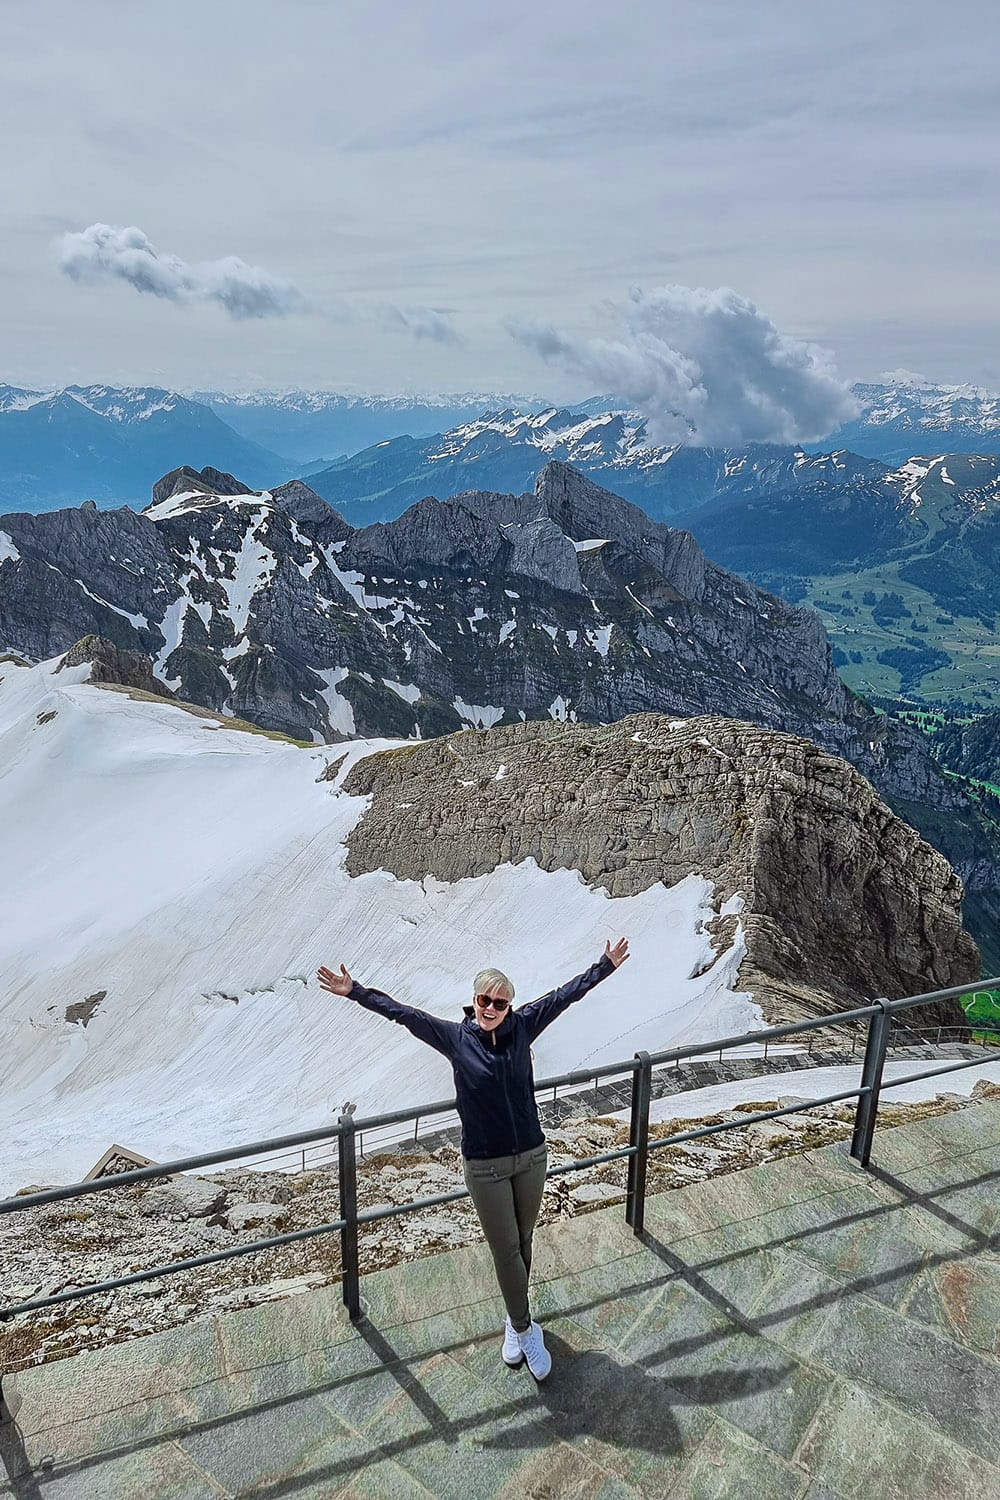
(207, 481)
(311, 511)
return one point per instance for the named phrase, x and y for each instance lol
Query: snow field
(196, 875)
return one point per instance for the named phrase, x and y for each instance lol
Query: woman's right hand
(335, 984)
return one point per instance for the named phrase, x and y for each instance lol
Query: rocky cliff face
(841, 900)
(566, 603)
(111, 665)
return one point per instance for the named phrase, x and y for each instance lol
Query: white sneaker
(533, 1348)
(511, 1351)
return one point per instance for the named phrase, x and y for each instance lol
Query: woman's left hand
(619, 953)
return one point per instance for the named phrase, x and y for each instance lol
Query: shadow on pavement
(590, 1394)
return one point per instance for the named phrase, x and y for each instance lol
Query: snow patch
(600, 639)
(405, 690)
(139, 621)
(480, 716)
(340, 713)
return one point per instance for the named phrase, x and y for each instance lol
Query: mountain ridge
(567, 602)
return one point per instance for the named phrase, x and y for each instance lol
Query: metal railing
(347, 1132)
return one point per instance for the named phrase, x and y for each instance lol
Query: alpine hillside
(903, 417)
(563, 603)
(837, 530)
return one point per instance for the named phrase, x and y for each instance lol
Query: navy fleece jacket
(494, 1083)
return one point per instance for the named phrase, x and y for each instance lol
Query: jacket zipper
(506, 1095)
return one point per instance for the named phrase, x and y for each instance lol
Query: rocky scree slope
(567, 602)
(841, 900)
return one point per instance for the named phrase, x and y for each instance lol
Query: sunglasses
(498, 1004)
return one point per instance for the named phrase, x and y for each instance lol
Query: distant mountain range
(308, 426)
(504, 450)
(902, 419)
(901, 558)
(108, 443)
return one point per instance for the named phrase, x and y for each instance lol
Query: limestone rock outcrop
(843, 902)
(110, 664)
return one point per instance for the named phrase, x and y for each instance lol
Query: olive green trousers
(507, 1193)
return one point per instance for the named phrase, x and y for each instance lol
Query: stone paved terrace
(800, 1329)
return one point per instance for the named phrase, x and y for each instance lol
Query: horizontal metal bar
(560, 1080)
(767, 1114)
(373, 1215)
(176, 1266)
(969, 1062)
(595, 1161)
(747, 1038)
(952, 994)
(163, 1169)
(404, 1116)
(395, 1210)
(589, 1075)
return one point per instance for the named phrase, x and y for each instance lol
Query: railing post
(635, 1192)
(348, 1171)
(871, 1079)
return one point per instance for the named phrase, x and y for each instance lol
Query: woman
(502, 1142)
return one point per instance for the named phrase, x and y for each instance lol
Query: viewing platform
(800, 1329)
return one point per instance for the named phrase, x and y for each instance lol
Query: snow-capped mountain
(902, 419)
(17, 398)
(564, 603)
(127, 404)
(109, 444)
(503, 451)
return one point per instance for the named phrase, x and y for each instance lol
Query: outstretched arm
(541, 1013)
(426, 1028)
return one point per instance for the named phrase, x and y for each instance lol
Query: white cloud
(422, 323)
(105, 251)
(705, 366)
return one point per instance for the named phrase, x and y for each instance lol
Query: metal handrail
(347, 1130)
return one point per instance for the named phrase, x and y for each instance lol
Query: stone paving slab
(799, 1330)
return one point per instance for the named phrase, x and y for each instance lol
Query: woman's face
(490, 1016)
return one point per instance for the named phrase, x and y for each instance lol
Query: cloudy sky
(524, 197)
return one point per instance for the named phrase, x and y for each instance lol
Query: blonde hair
(490, 978)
